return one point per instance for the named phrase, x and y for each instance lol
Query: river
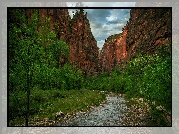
(107, 114)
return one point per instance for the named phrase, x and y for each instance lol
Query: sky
(105, 22)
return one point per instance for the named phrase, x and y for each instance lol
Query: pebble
(113, 112)
(136, 115)
(107, 114)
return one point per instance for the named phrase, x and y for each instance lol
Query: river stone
(108, 114)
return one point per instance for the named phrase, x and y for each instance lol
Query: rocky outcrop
(58, 20)
(175, 17)
(83, 46)
(77, 34)
(113, 52)
(144, 32)
(148, 29)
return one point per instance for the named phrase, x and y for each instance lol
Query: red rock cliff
(83, 46)
(113, 52)
(146, 29)
(77, 34)
(58, 18)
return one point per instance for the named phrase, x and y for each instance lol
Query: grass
(49, 102)
(111, 39)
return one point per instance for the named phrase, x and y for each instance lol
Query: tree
(34, 56)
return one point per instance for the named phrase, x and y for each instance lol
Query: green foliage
(34, 61)
(71, 78)
(81, 10)
(34, 65)
(111, 39)
(46, 103)
(146, 76)
(149, 77)
(77, 13)
(55, 50)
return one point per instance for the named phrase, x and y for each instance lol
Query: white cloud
(114, 15)
(120, 24)
(100, 44)
(126, 19)
(105, 26)
(111, 18)
(71, 12)
(104, 23)
(92, 26)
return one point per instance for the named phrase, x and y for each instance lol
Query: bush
(149, 76)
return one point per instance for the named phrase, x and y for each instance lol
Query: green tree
(34, 58)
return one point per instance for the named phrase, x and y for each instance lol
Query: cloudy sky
(105, 22)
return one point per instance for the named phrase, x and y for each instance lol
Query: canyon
(146, 30)
(77, 34)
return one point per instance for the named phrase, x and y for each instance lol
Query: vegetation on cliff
(39, 87)
(112, 38)
(145, 76)
(36, 83)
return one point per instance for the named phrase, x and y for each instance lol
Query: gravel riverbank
(114, 111)
(109, 113)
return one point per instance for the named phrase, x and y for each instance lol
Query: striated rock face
(58, 18)
(113, 52)
(77, 34)
(175, 17)
(83, 46)
(146, 30)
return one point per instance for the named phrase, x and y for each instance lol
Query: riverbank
(92, 108)
(115, 110)
(138, 113)
(108, 113)
(45, 104)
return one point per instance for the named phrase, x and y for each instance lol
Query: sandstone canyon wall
(58, 18)
(147, 29)
(113, 52)
(77, 34)
(83, 46)
(144, 32)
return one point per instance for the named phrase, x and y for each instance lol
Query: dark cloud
(98, 25)
(126, 11)
(99, 15)
(106, 22)
(115, 21)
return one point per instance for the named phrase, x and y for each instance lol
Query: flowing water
(108, 114)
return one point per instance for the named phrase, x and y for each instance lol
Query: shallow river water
(107, 114)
